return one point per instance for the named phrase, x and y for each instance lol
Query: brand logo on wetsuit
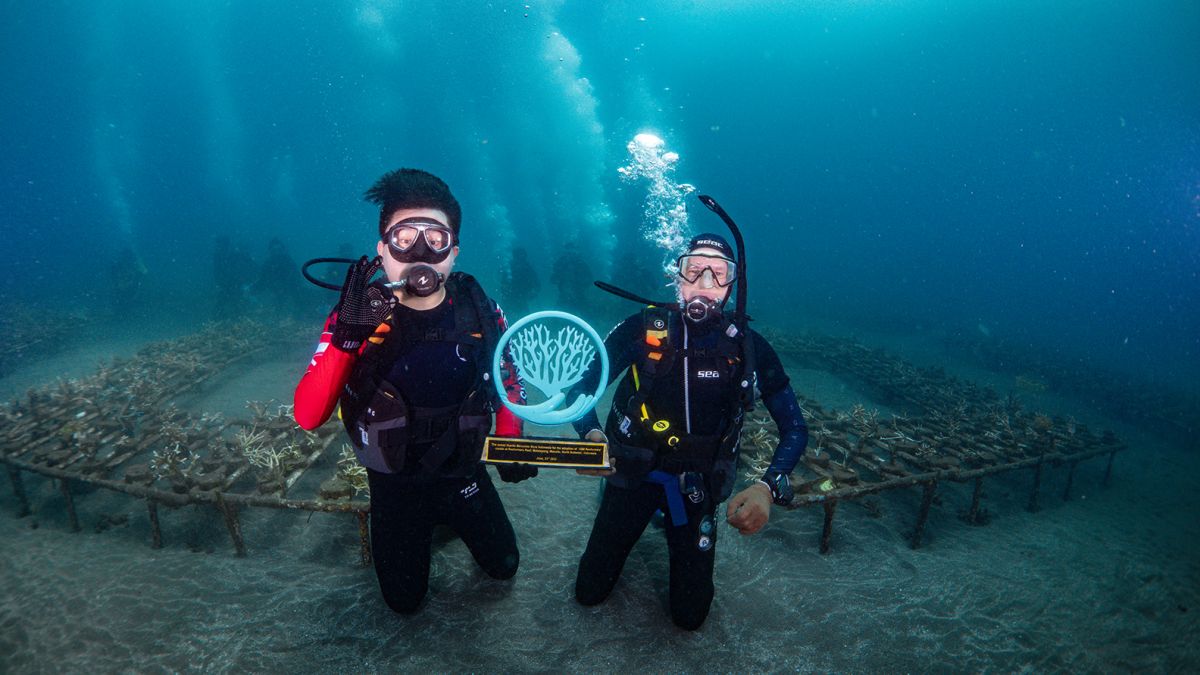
(469, 491)
(708, 374)
(705, 540)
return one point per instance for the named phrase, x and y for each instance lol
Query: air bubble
(664, 215)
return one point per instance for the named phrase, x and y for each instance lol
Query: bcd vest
(646, 441)
(385, 429)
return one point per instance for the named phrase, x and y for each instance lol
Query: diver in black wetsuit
(409, 363)
(232, 272)
(520, 282)
(276, 284)
(571, 275)
(673, 432)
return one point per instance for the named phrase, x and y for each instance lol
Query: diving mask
(708, 270)
(419, 240)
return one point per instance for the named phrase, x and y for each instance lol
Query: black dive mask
(702, 310)
(420, 280)
(419, 240)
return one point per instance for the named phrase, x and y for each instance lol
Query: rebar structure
(120, 429)
(950, 431)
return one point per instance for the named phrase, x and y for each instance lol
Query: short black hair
(413, 189)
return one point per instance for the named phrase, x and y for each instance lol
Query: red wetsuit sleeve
(317, 393)
(508, 424)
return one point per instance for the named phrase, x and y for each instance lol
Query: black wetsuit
(406, 506)
(701, 405)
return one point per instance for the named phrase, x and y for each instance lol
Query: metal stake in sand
(64, 485)
(827, 529)
(231, 523)
(364, 538)
(926, 501)
(1070, 480)
(1032, 507)
(19, 490)
(972, 517)
(155, 529)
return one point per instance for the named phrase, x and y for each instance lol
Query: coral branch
(551, 364)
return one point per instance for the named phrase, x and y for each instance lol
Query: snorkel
(739, 318)
(740, 306)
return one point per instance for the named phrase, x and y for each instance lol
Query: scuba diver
(127, 282)
(274, 283)
(570, 276)
(520, 282)
(674, 426)
(232, 274)
(409, 359)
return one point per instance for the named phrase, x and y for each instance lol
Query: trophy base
(552, 452)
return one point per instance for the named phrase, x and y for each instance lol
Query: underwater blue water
(1020, 172)
(1026, 169)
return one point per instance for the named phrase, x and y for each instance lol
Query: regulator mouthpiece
(700, 310)
(420, 280)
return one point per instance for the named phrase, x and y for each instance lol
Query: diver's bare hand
(596, 436)
(750, 509)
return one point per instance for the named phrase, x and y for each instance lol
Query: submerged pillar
(1032, 506)
(64, 485)
(1070, 481)
(232, 524)
(827, 529)
(364, 539)
(972, 516)
(923, 515)
(1108, 469)
(155, 531)
(19, 490)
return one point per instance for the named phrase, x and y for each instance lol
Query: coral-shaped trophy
(551, 351)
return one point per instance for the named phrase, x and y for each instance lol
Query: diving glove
(362, 306)
(515, 473)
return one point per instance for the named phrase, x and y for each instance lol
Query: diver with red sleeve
(408, 360)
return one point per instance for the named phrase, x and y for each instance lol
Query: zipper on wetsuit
(687, 375)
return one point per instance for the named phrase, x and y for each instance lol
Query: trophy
(551, 351)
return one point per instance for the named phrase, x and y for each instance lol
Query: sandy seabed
(1108, 581)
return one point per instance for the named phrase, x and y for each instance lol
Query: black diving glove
(515, 473)
(362, 306)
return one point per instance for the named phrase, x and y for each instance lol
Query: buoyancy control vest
(385, 429)
(647, 441)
